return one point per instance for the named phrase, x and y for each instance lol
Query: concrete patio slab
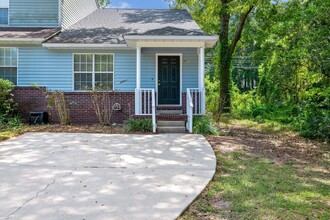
(98, 176)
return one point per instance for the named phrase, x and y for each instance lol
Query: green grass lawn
(263, 175)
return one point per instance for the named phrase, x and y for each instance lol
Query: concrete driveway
(97, 176)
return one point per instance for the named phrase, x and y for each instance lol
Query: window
(4, 8)
(8, 64)
(93, 71)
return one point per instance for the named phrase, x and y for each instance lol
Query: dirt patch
(280, 147)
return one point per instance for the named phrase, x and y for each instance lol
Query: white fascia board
(21, 40)
(151, 37)
(171, 41)
(82, 46)
(165, 44)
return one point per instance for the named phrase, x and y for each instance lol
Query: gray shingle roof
(21, 33)
(109, 26)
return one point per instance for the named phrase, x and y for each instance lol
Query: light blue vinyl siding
(53, 68)
(50, 68)
(34, 13)
(189, 67)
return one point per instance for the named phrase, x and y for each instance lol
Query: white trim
(202, 79)
(164, 37)
(93, 71)
(17, 62)
(138, 67)
(32, 40)
(181, 74)
(59, 16)
(82, 46)
(201, 67)
(138, 80)
(17, 67)
(166, 44)
(72, 61)
(7, 25)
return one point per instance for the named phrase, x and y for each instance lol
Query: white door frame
(181, 73)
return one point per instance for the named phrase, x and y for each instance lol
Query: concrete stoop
(171, 126)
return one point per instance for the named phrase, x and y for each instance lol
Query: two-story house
(150, 61)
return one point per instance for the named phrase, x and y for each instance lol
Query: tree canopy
(272, 60)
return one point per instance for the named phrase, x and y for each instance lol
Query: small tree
(57, 100)
(102, 106)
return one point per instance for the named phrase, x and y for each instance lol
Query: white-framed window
(93, 71)
(8, 64)
(4, 12)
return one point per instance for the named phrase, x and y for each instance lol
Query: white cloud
(121, 5)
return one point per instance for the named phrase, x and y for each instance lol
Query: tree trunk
(225, 59)
(226, 53)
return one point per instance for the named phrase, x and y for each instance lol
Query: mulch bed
(117, 129)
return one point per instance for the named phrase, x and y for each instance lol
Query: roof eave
(171, 41)
(9, 40)
(82, 46)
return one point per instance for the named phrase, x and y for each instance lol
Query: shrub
(58, 101)
(15, 121)
(138, 125)
(314, 119)
(7, 104)
(204, 125)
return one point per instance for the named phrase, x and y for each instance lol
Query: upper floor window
(8, 64)
(4, 8)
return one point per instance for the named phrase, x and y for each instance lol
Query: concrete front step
(171, 129)
(171, 123)
(171, 126)
(169, 112)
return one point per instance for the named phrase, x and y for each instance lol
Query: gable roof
(110, 26)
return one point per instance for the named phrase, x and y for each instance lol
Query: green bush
(204, 125)
(310, 117)
(138, 125)
(7, 104)
(313, 120)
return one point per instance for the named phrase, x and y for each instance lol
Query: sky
(144, 4)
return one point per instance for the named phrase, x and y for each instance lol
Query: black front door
(169, 80)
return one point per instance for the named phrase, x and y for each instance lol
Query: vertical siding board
(31, 13)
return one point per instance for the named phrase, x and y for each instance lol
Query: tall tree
(226, 18)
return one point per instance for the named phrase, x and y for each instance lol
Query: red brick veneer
(31, 99)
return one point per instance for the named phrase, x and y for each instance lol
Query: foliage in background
(138, 125)
(228, 19)
(105, 3)
(204, 125)
(280, 68)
